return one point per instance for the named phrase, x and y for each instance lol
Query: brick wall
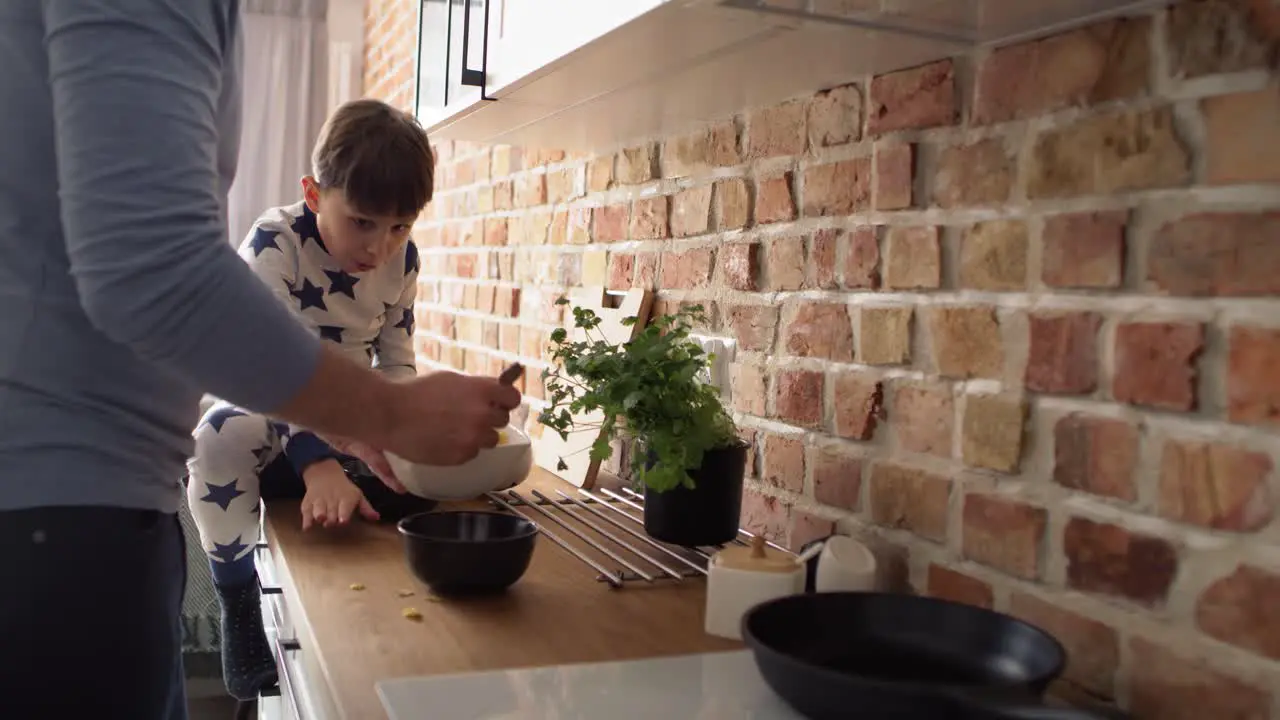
(1013, 317)
(390, 41)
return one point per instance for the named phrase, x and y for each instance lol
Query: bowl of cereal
(495, 468)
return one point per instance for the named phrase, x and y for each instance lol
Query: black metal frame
(470, 77)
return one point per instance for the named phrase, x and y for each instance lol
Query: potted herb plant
(650, 392)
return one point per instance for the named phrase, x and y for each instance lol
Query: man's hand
(331, 497)
(444, 418)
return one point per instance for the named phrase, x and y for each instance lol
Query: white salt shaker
(739, 578)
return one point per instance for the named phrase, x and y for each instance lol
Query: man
(121, 303)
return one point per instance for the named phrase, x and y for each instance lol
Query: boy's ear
(311, 193)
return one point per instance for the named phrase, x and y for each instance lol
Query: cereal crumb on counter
(357, 586)
(412, 614)
(404, 593)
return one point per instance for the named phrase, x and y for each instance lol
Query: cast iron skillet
(900, 657)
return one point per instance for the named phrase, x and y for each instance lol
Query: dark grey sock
(248, 665)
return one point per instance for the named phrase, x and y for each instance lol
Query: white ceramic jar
(739, 578)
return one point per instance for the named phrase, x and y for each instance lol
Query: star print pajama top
(368, 315)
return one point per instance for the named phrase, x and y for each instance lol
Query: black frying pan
(900, 657)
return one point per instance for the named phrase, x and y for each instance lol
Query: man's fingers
(367, 511)
(488, 438)
(505, 397)
(498, 418)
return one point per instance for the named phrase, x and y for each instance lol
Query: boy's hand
(369, 455)
(331, 497)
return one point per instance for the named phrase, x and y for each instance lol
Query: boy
(342, 260)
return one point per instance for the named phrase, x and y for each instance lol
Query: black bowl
(468, 552)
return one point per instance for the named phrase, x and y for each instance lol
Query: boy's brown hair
(379, 157)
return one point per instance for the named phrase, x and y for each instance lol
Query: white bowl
(493, 469)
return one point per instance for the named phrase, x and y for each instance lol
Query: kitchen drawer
(299, 694)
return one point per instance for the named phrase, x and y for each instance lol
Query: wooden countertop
(557, 613)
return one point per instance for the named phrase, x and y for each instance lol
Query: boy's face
(358, 241)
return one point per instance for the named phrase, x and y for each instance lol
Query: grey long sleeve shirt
(121, 300)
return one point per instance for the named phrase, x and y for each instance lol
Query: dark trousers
(90, 614)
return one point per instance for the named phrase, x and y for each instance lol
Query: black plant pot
(709, 513)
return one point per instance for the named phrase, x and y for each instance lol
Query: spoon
(509, 376)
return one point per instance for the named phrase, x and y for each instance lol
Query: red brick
(923, 417)
(687, 270)
(819, 330)
(733, 204)
(1097, 455)
(1063, 353)
(646, 269)
(600, 174)
(862, 258)
(562, 185)
(774, 201)
(955, 586)
(749, 437)
(1093, 649)
(1237, 128)
(838, 188)
(1240, 609)
(1169, 686)
(913, 259)
(966, 341)
(858, 400)
(991, 431)
(806, 527)
(507, 302)
(749, 385)
(713, 146)
(530, 190)
(691, 211)
(1253, 383)
(504, 195)
(823, 249)
(740, 265)
(765, 515)
(979, 173)
(993, 256)
(1084, 250)
(649, 219)
(495, 232)
(509, 338)
(577, 226)
(777, 130)
(894, 176)
(797, 397)
(1217, 254)
(837, 478)
(1099, 63)
(920, 97)
(1005, 534)
(1111, 560)
(1206, 38)
(622, 269)
(1156, 364)
(754, 326)
(835, 116)
(609, 224)
(1109, 153)
(784, 263)
(884, 335)
(910, 499)
(635, 165)
(1215, 485)
(784, 462)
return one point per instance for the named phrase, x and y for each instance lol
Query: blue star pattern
(222, 495)
(341, 282)
(219, 417)
(310, 295)
(406, 322)
(263, 239)
(304, 226)
(229, 552)
(331, 332)
(412, 263)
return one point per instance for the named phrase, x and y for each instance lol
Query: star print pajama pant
(234, 448)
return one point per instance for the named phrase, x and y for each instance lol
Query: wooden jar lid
(756, 558)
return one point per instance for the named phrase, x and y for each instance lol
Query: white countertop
(711, 686)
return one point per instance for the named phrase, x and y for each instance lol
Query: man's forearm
(342, 398)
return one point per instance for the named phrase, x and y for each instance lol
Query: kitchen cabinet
(452, 52)
(592, 75)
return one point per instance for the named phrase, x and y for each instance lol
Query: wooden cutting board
(548, 447)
